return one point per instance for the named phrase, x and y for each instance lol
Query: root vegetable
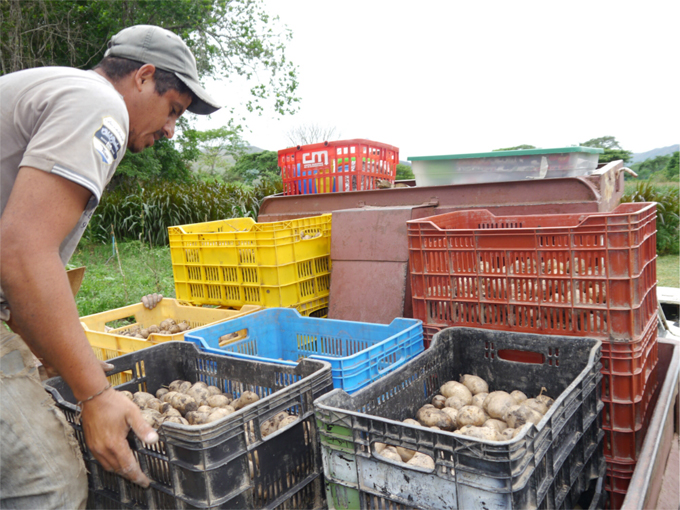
(518, 396)
(246, 398)
(411, 421)
(171, 411)
(184, 387)
(484, 433)
(205, 409)
(433, 417)
(470, 415)
(536, 405)
(153, 329)
(493, 423)
(145, 333)
(218, 414)
(518, 415)
(421, 460)
(475, 384)
(183, 326)
(456, 389)
(287, 421)
(379, 447)
(174, 385)
(453, 414)
(545, 399)
(166, 324)
(196, 418)
(175, 419)
(152, 417)
(478, 400)
(199, 394)
(214, 390)
(438, 401)
(405, 453)
(456, 403)
(391, 453)
(167, 397)
(184, 403)
(174, 329)
(497, 403)
(141, 398)
(507, 434)
(161, 392)
(218, 401)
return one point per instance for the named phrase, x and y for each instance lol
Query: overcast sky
(451, 77)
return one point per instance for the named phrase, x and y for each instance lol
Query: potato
(171, 411)
(390, 452)
(456, 389)
(405, 453)
(287, 421)
(518, 415)
(484, 433)
(453, 414)
(433, 417)
(411, 421)
(493, 423)
(470, 415)
(246, 398)
(166, 324)
(153, 329)
(200, 384)
(269, 427)
(175, 419)
(438, 401)
(217, 414)
(183, 326)
(545, 399)
(518, 396)
(128, 394)
(379, 447)
(218, 401)
(507, 434)
(183, 403)
(152, 417)
(456, 403)
(161, 392)
(167, 397)
(158, 405)
(196, 418)
(199, 394)
(214, 390)
(184, 387)
(174, 385)
(478, 400)
(174, 329)
(205, 409)
(536, 405)
(475, 384)
(145, 333)
(141, 398)
(421, 460)
(497, 403)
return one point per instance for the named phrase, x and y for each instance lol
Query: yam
(518, 396)
(470, 415)
(456, 389)
(497, 403)
(421, 460)
(475, 384)
(518, 415)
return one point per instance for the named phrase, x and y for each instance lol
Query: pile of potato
(166, 327)
(467, 408)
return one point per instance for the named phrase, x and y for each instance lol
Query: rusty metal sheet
(367, 291)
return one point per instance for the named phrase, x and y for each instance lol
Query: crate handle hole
(521, 356)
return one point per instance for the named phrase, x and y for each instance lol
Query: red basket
(588, 274)
(617, 480)
(343, 165)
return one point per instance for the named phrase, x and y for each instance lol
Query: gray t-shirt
(65, 121)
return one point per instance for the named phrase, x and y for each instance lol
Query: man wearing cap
(63, 132)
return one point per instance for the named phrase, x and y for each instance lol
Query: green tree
(219, 148)
(515, 148)
(404, 172)
(258, 165)
(649, 167)
(672, 170)
(612, 150)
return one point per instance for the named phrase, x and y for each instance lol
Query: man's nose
(169, 128)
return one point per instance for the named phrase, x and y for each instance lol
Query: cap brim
(202, 104)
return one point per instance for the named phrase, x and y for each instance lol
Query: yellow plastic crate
(238, 261)
(112, 343)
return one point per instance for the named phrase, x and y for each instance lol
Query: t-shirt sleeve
(81, 133)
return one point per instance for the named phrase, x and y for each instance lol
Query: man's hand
(151, 300)
(106, 420)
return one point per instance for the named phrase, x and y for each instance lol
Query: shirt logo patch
(109, 140)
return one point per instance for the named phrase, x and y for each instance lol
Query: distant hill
(663, 151)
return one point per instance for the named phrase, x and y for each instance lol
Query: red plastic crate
(588, 274)
(428, 334)
(617, 480)
(331, 167)
(629, 415)
(625, 380)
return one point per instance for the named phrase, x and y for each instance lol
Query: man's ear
(144, 73)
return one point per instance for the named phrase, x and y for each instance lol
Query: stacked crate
(589, 275)
(237, 262)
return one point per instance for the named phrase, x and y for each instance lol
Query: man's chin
(136, 148)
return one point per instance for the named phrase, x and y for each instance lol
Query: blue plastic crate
(359, 352)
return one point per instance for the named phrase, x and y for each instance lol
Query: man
(63, 132)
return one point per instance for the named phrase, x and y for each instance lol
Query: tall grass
(145, 210)
(668, 213)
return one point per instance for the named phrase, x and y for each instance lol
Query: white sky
(450, 77)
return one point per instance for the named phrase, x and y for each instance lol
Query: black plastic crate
(206, 466)
(537, 469)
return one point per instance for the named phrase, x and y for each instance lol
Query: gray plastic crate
(537, 469)
(206, 466)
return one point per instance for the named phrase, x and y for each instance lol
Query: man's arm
(41, 211)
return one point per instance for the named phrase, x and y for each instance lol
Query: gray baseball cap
(155, 45)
